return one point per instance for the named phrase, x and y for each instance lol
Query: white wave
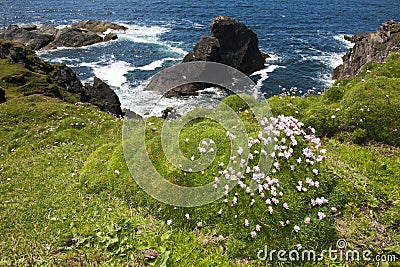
(340, 38)
(157, 64)
(147, 35)
(272, 57)
(142, 34)
(112, 73)
(264, 74)
(65, 60)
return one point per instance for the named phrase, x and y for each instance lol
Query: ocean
(303, 37)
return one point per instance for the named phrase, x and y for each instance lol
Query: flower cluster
(281, 140)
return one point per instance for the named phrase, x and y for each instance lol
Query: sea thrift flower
(285, 206)
(307, 220)
(296, 228)
(321, 215)
(253, 234)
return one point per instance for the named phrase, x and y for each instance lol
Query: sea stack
(231, 43)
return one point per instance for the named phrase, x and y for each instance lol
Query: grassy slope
(62, 203)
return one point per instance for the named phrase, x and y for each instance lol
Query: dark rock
(29, 27)
(231, 43)
(31, 39)
(67, 79)
(109, 37)
(73, 37)
(47, 29)
(104, 97)
(207, 49)
(368, 47)
(48, 37)
(238, 45)
(98, 26)
(129, 114)
(2, 95)
(189, 89)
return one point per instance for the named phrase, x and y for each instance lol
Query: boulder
(73, 37)
(98, 26)
(104, 97)
(368, 47)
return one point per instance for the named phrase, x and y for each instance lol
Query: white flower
(296, 228)
(117, 172)
(169, 222)
(285, 205)
(258, 228)
(321, 215)
(253, 234)
(187, 216)
(246, 223)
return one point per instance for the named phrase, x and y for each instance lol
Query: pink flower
(333, 209)
(307, 220)
(296, 228)
(321, 215)
(253, 234)
(246, 223)
(258, 228)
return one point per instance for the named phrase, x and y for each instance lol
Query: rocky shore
(373, 46)
(46, 36)
(28, 74)
(231, 43)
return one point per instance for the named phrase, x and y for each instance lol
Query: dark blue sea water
(304, 37)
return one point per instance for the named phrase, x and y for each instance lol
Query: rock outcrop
(368, 47)
(48, 37)
(231, 43)
(36, 76)
(103, 96)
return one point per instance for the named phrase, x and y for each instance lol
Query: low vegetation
(67, 197)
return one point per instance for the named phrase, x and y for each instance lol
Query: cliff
(373, 46)
(23, 73)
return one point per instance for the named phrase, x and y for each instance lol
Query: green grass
(67, 197)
